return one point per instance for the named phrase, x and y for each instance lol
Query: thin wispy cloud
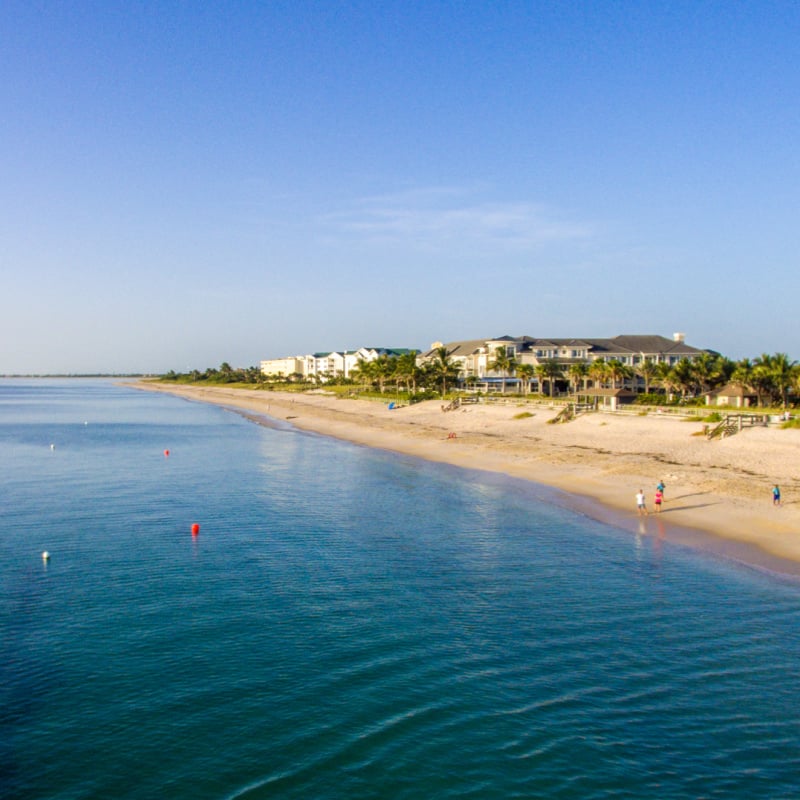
(439, 218)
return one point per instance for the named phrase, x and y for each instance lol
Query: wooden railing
(565, 415)
(734, 423)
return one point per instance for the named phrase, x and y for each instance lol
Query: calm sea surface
(354, 624)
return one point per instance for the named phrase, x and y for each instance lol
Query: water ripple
(353, 625)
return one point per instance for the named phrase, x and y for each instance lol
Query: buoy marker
(195, 529)
(166, 452)
(45, 556)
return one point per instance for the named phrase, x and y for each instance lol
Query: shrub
(418, 397)
(653, 399)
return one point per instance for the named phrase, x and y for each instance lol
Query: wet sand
(718, 493)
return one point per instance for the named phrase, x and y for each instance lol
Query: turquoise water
(354, 624)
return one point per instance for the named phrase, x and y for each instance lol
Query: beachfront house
(733, 395)
(607, 399)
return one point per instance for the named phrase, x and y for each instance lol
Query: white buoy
(52, 447)
(45, 556)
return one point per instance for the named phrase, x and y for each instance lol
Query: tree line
(773, 379)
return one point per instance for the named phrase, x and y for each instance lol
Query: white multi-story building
(284, 367)
(327, 365)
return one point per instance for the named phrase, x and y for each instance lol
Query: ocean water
(354, 624)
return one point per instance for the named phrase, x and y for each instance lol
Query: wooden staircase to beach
(571, 411)
(565, 415)
(734, 423)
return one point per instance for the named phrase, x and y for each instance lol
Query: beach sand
(718, 493)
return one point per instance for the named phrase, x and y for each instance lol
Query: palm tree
(443, 368)
(365, 372)
(683, 376)
(383, 367)
(743, 374)
(665, 378)
(647, 370)
(525, 372)
(710, 370)
(617, 372)
(504, 363)
(252, 374)
(407, 369)
(725, 368)
(599, 372)
(577, 375)
(549, 370)
(761, 377)
(783, 373)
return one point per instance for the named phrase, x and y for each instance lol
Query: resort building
(476, 360)
(474, 357)
(324, 366)
(284, 367)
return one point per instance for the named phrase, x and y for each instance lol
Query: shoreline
(718, 493)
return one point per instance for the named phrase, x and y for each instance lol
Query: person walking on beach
(640, 503)
(660, 488)
(658, 500)
(776, 495)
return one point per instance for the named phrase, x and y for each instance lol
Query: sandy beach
(718, 493)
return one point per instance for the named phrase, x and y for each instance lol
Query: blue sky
(183, 183)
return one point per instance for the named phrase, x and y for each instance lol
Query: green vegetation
(773, 381)
(387, 378)
(225, 374)
(550, 371)
(713, 417)
(653, 399)
(504, 363)
(523, 415)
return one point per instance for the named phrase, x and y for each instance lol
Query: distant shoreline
(71, 376)
(717, 497)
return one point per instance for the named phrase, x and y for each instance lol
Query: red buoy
(166, 452)
(195, 529)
